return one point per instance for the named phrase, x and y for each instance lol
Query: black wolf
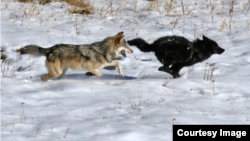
(176, 52)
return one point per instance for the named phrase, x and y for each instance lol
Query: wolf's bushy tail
(33, 50)
(142, 45)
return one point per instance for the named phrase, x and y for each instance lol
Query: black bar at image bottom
(211, 132)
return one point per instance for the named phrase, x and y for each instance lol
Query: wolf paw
(176, 75)
(161, 68)
(90, 74)
(122, 75)
(44, 78)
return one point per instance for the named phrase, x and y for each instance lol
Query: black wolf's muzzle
(220, 50)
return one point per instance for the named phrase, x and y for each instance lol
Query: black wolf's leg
(166, 69)
(177, 67)
(90, 74)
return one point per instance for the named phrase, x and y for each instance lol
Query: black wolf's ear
(205, 37)
(118, 39)
(119, 34)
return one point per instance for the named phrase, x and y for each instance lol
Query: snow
(145, 103)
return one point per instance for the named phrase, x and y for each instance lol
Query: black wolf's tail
(141, 44)
(33, 50)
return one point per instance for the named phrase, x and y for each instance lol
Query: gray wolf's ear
(118, 40)
(119, 34)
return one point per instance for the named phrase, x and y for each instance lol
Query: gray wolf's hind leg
(65, 68)
(54, 69)
(93, 73)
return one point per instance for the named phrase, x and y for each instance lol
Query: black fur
(176, 52)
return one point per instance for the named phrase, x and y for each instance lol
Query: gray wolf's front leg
(109, 58)
(118, 65)
(112, 67)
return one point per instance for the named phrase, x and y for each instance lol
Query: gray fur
(97, 51)
(89, 57)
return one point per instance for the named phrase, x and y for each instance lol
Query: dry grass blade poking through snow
(79, 6)
(76, 6)
(44, 1)
(40, 1)
(26, 1)
(7, 68)
(3, 56)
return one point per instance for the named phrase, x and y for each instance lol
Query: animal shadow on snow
(102, 77)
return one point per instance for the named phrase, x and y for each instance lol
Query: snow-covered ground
(145, 104)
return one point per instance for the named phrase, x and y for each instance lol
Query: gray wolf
(176, 52)
(88, 57)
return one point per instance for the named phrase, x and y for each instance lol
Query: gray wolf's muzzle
(126, 49)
